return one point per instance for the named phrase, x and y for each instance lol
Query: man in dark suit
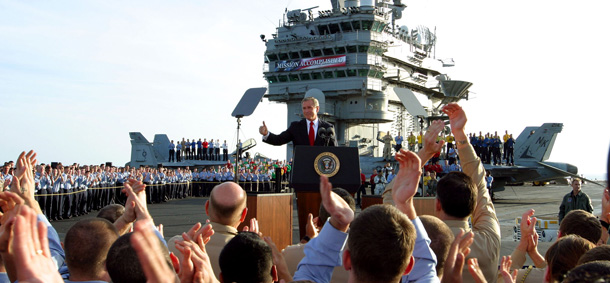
(304, 132)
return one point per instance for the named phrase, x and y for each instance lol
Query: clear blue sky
(77, 76)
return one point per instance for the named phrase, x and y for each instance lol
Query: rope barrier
(153, 185)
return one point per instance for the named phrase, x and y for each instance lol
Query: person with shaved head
(226, 209)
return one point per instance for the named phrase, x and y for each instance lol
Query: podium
(340, 164)
(274, 215)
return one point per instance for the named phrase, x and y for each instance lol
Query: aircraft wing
(512, 174)
(568, 173)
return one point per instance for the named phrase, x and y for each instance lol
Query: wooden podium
(307, 202)
(341, 163)
(274, 215)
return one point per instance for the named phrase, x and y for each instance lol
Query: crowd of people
(489, 147)
(64, 192)
(198, 150)
(383, 243)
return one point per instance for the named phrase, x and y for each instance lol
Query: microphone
(322, 133)
(330, 132)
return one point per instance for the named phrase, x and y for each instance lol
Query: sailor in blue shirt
(217, 149)
(68, 196)
(193, 151)
(228, 174)
(218, 177)
(199, 149)
(398, 140)
(254, 177)
(210, 180)
(57, 181)
(225, 151)
(262, 180)
(248, 180)
(496, 145)
(178, 152)
(187, 149)
(172, 151)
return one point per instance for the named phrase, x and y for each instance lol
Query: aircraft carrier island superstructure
(369, 74)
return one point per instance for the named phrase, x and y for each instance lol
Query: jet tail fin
(142, 151)
(536, 143)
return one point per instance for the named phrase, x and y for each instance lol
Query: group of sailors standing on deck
(74, 190)
(198, 150)
(490, 148)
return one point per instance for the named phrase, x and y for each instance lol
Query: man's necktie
(312, 135)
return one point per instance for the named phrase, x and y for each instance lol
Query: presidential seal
(326, 164)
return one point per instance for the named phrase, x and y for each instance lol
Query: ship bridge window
(356, 25)
(283, 56)
(282, 79)
(272, 57)
(294, 77)
(366, 25)
(334, 28)
(294, 55)
(372, 49)
(305, 54)
(323, 30)
(375, 26)
(363, 48)
(376, 74)
(340, 50)
(328, 75)
(352, 49)
(346, 26)
(328, 51)
(351, 73)
(316, 52)
(316, 76)
(363, 72)
(377, 104)
(272, 79)
(340, 74)
(305, 77)
(381, 27)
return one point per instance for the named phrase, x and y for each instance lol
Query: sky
(77, 76)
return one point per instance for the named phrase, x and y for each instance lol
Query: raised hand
(341, 215)
(457, 117)
(146, 245)
(505, 270)
(263, 129)
(136, 194)
(11, 205)
(527, 228)
(311, 229)
(460, 248)
(406, 182)
(197, 231)
(8, 201)
(195, 265)
(33, 262)
(23, 183)
(475, 270)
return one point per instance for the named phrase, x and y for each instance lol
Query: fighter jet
(532, 148)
